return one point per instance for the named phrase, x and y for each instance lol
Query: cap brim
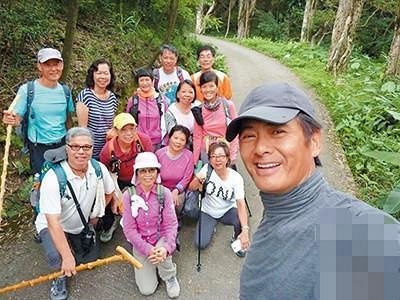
(274, 115)
(50, 57)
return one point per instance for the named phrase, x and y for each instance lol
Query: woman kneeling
(224, 199)
(150, 225)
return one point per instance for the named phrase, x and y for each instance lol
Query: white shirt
(85, 190)
(186, 120)
(221, 195)
(168, 84)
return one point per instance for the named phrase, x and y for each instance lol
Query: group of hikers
(181, 134)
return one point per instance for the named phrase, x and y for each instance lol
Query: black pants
(36, 152)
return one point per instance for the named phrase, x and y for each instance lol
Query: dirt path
(219, 277)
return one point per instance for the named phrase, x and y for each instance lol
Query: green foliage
(364, 108)
(265, 25)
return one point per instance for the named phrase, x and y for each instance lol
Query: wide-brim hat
(146, 160)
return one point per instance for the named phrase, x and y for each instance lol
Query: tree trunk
(72, 17)
(231, 4)
(393, 65)
(307, 20)
(199, 17)
(246, 11)
(347, 17)
(173, 13)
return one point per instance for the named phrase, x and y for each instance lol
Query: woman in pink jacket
(216, 114)
(150, 225)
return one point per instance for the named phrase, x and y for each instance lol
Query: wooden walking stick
(5, 158)
(124, 255)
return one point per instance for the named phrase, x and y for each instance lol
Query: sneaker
(173, 288)
(106, 235)
(58, 289)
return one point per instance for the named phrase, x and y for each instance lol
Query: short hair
(309, 126)
(168, 47)
(189, 82)
(94, 67)
(205, 48)
(78, 131)
(208, 76)
(220, 144)
(143, 72)
(180, 128)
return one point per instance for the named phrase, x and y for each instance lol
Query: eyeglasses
(147, 170)
(76, 148)
(221, 156)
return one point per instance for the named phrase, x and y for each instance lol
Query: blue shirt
(47, 121)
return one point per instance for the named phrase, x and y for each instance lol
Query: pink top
(141, 231)
(149, 117)
(176, 172)
(215, 126)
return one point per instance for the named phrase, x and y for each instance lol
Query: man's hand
(244, 239)
(10, 118)
(68, 266)
(114, 205)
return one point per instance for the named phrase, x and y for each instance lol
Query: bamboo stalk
(5, 158)
(124, 255)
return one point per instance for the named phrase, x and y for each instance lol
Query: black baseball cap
(276, 103)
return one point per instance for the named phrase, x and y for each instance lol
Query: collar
(150, 94)
(141, 193)
(71, 175)
(297, 199)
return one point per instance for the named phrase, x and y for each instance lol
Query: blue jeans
(208, 224)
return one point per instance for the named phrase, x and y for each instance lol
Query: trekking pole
(199, 237)
(5, 158)
(123, 256)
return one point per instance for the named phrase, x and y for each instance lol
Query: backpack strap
(67, 93)
(132, 190)
(61, 177)
(198, 115)
(97, 168)
(78, 206)
(159, 101)
(226, 110)
(135, 108)
(30, 85)
(156, 77)
(160, 197)
(179, 73)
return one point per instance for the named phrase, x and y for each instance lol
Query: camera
(88, 238)
(115, 165)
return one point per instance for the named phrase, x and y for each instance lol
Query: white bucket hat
(146, 160)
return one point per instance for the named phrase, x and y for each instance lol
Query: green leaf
(355, 65)
(392, 204)
(394, 114)
(389, 86)
(390, 157)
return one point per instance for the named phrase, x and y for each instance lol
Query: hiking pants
(53, 257)
(208, 224)
(146, 277)
(36, 152)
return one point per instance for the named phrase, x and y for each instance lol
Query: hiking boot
(37, 238)
(241, 253)
(58, 289)
(106, 235)
(173, 288)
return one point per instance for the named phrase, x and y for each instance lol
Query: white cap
(48, 53)
(145, 160)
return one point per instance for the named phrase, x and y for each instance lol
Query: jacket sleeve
(226, 88)
(234, 145)
(130, 228)
(187, 176)
(169, 224)
(129, 105)
(146, 142)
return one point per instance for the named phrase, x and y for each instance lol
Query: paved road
(219, 277)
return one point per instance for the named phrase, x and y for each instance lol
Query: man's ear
(316, 142)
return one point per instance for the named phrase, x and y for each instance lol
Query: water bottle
(34, 197)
